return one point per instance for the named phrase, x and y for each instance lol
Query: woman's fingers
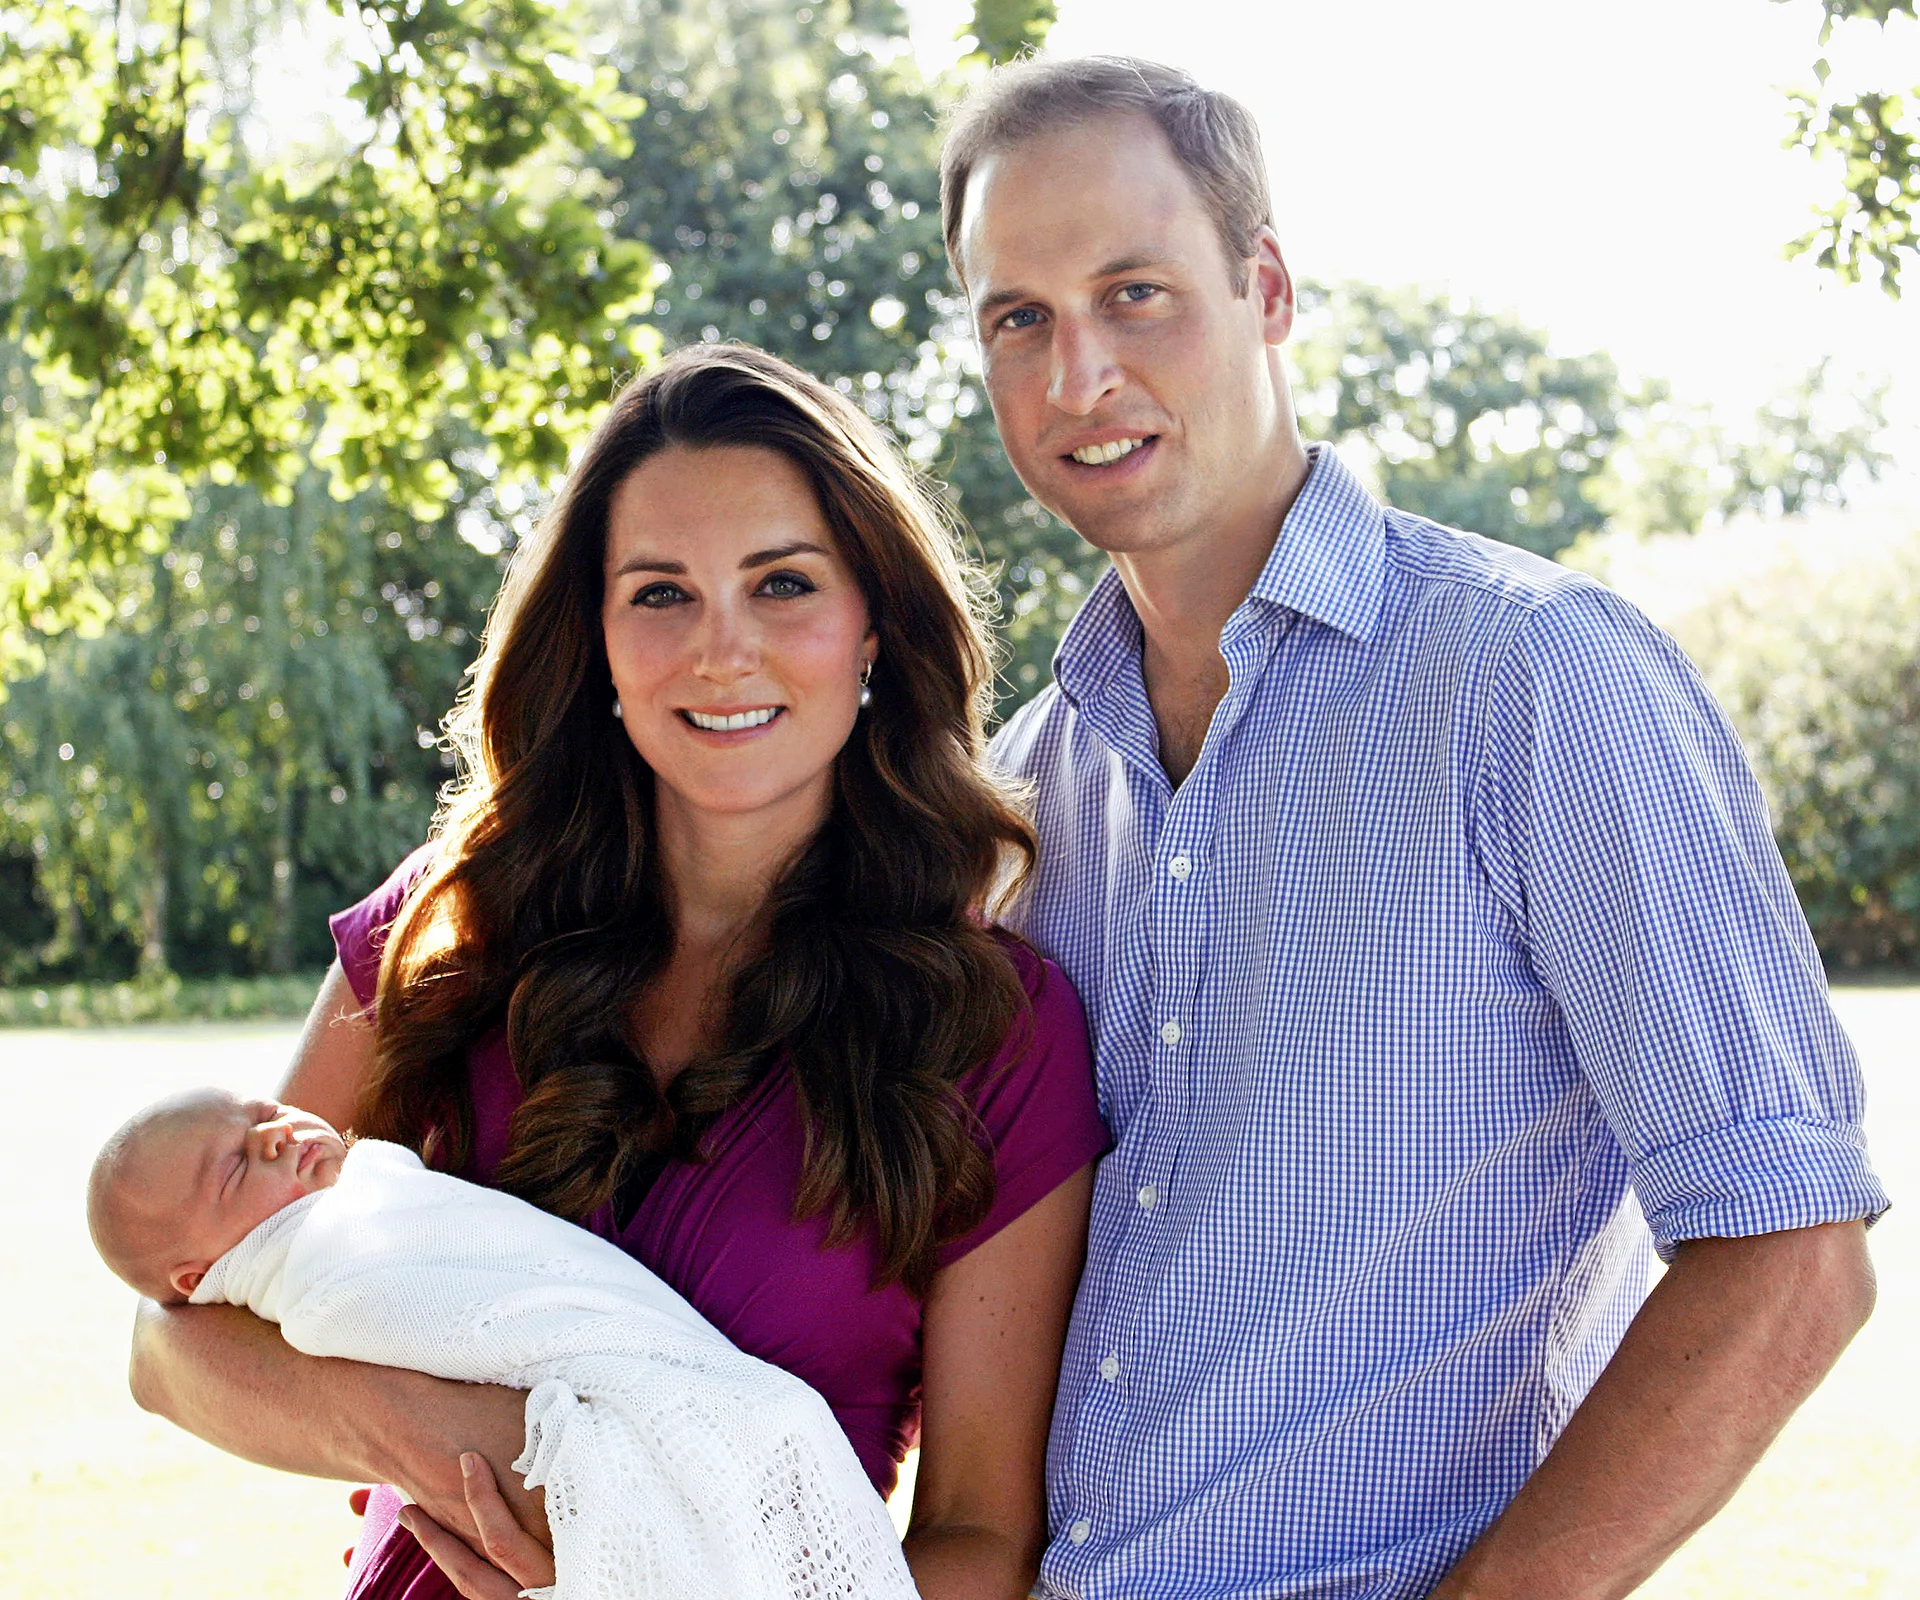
(507, 1545)
(474, 1577)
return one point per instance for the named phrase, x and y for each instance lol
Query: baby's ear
(186, 1278)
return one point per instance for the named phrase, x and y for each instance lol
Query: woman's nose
(727, 645)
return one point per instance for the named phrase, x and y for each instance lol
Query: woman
(698, 960)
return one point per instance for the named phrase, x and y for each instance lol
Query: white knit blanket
(674, 1465)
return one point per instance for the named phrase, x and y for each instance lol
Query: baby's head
(187, 1179)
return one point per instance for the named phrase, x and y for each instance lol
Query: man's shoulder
(1040, 723)
(1427, 556)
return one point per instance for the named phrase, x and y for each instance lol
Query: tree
(253, 744)
(1678, 469)
(1001, 30)
(785, 177)
(1872, 228)
(194, 312)
(1468, 417)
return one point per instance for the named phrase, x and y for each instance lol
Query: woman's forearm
(969, 1564)
(230, 1379)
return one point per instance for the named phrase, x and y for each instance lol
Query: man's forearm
(1731, 1341)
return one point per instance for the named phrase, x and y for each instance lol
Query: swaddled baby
(673, 1464)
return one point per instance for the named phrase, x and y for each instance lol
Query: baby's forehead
(188, 1122)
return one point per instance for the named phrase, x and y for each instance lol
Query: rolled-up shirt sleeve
(1620, 826)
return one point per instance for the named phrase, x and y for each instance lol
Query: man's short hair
(1214, 136)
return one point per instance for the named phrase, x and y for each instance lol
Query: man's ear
(1272, 286)
(186, 1277)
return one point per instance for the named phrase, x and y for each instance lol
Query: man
(1427, 918)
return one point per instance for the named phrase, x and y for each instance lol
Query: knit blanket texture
(674, 1466)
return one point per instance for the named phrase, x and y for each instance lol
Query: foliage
(1677, 469)
(1874, 224)
(253, 745)
(1821, 673)
(1004, 29)
(195, 313)
(786, 179)
(1470, 419)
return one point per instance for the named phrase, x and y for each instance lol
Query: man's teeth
(740, 719)
(1098, 455)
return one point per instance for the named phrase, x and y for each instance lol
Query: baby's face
(229, 1165)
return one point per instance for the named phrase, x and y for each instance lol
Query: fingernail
(469, 1463)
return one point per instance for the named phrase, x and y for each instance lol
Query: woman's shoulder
(360, 931)
(1036, 1100)
(1047, 986)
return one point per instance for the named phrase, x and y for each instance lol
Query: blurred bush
(165, 999)
(1810, 638)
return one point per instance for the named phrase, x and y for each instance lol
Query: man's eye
(657, 595)
(1134, 293)
(1020, 317)
(786, 586)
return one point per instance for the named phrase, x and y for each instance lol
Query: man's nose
(1084, 371)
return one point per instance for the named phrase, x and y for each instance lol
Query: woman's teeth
(740, 719)
(1098, 455)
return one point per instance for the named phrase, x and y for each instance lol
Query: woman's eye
(786, 586)
(657, 595)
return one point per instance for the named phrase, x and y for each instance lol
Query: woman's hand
(510, 1559)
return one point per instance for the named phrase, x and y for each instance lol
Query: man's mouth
(1101, 455)
(733, 721)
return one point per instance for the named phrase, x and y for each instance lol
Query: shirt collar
(1328, 563)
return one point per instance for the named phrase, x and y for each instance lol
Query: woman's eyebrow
(761, 558)
(677, 569)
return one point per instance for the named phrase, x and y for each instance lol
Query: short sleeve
(360, 931)
(1619, 824)
(1036, 1101)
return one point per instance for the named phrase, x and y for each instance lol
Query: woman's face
(734, 629)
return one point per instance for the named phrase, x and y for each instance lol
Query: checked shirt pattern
(1460, 972)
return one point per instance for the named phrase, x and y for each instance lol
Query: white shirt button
(1149, 1197)
(1079, 1531)
(1169, 1033)
(1110, 1369)
(1181, 867)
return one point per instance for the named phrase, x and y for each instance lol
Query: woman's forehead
(718, 501)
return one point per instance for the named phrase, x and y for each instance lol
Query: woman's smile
(732, 721)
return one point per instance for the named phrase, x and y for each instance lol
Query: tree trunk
(280, 943)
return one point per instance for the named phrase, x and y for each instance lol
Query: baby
(188, 1178)
(673, 1463)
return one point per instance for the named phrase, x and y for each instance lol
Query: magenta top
(722, 1231)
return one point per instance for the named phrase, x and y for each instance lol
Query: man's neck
(1184, 593)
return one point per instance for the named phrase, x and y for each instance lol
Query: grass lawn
(98, 1500)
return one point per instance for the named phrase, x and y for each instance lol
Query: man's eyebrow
(1138, 261)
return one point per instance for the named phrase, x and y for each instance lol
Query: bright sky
(1614, 173)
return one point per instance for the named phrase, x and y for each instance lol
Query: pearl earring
(616, 709)
(866, 683)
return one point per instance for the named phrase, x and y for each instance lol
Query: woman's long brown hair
(543, 908)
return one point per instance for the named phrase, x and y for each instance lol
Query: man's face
(1133, 387)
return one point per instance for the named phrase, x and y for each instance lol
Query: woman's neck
(720, 867)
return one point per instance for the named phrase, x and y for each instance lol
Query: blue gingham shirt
(1462, 955)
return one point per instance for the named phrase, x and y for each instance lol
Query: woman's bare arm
(229, 1378)
(996, 1321)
